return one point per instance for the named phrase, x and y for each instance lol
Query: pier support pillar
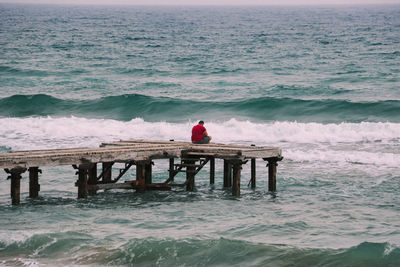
(107, 171)
(272, 164)
(237, 167)
(190, 174)
(83, 177)
(15, 176)
(148, 172)
(171, 169)
(227, 173)
(34, 186)
(253, 173)
(92, 178)
(140, 176)
(212, 170)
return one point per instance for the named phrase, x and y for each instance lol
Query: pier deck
(139, 153)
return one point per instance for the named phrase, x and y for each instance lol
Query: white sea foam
(352, 157)
(306, 132)
(302, 141)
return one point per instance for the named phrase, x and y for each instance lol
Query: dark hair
(201, 122)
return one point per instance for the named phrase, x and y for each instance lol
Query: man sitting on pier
(199, 134)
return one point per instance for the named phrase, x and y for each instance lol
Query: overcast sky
(208, 2)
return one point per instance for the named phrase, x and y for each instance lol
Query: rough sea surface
(322, 83)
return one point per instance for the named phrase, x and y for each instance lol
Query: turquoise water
(322, 83)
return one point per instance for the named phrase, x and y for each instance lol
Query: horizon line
(198, 5)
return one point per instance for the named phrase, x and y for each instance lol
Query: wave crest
(130, 106)
(194, 252)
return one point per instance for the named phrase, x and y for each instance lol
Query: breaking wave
(130, 106)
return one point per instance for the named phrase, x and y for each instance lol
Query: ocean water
(322, 83)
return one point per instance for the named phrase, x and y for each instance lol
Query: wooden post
(107, 171)
(15, 176)
(212, 170)
(272, 163)
(92, 178)
(227, 174)
(190, 173)
(34, 186)
(171, 169)
(82, 182)
(237, 167)
(140, 176)
(148, 172)
(15, 188)
(253, 173)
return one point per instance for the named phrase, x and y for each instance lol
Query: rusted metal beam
(203, 162)
(129, 185)
(128, 165)
(106, 174)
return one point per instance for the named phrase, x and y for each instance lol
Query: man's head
(201, 122)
